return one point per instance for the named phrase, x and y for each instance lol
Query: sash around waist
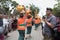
(22, 25)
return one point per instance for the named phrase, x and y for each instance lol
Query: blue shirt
(46, 29)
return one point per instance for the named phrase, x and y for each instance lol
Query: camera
(43, 17)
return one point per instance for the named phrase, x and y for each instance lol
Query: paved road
(36, 35)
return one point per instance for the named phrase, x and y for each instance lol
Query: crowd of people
(26, 21)
(50, 30)
(7, 24)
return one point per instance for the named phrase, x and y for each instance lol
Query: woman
(29, 25)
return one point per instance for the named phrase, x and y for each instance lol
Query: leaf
(14, 3)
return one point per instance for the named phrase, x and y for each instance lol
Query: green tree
(56, 12)
(34, 9)
(16, 12)
(56, 9)
(6, 4)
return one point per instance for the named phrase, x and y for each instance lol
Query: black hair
(21, 15)
(49, 9)
(29, 16)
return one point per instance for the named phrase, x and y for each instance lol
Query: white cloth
(5, 24)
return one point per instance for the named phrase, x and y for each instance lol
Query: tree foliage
(56, 12)
(6, 4)
(56, 9)
(34, 9)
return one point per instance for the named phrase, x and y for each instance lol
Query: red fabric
(2, 37)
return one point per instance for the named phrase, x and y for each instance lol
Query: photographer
(50, 22)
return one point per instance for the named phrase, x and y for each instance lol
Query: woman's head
(29, 16)
(28, 11)
(22, 14)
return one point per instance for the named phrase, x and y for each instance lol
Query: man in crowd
(5, 21)
(1, 28)
(50, 22)
(14, 23)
